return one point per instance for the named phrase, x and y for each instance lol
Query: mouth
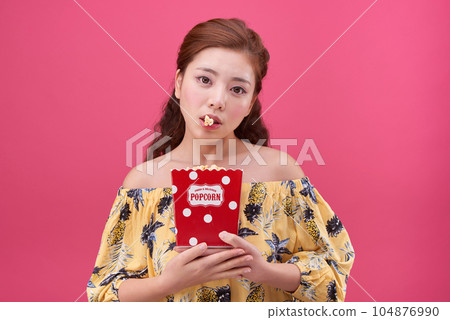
(209, 125)
(209, 120)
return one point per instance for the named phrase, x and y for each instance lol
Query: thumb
(238, 242)
(192, 253)
(232, 239)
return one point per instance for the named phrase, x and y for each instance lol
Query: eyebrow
(216, 73)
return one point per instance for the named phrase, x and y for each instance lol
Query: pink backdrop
(375, 105)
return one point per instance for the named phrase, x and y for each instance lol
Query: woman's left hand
(258, 265)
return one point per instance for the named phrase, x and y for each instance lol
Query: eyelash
(243, 90)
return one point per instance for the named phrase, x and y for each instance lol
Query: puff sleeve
(325, 254)
(122, 255)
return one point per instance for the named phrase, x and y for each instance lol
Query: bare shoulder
(284, 166)
(141, 176)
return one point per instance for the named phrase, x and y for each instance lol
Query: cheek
(192, 96)
(238, 113)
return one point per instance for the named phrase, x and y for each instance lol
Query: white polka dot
(232, 205)
(193, 175)
(207, 218)
(174, 189)
(226, 180)
(187, 212)
(193, 241)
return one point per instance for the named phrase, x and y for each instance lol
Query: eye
(243, 91)
(201, 78)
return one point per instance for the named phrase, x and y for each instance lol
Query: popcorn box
(206, 202)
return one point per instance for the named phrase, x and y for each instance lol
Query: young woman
(290, 245)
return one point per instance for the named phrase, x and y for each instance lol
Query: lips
(215, 118)
(211, 127)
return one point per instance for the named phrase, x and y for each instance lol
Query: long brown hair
(224, 33)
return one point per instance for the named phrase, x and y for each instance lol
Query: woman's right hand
(191, 267)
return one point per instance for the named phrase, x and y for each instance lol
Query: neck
(221, 152)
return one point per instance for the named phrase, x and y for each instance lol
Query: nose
(217, 99)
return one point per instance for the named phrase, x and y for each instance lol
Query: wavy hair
(220, 33)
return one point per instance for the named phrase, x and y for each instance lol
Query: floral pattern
(218, 294)
(277, 248)
(288, 221)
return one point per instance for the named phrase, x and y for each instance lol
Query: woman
(290, 246)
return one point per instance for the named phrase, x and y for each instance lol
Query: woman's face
(218, 82)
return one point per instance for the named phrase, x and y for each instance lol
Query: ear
(178, 81)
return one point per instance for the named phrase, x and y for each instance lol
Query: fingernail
(202, 245)
(222, 235)
(248, 259)
(247, 270)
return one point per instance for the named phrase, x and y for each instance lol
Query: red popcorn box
(206, 202)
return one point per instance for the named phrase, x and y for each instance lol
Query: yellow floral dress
(288, 221)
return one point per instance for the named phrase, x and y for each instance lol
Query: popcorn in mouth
(208, 121)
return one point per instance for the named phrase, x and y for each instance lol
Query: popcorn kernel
(208, 121)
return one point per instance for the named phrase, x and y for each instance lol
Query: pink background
(375, 103)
